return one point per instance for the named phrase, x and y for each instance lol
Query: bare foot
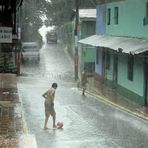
(45, 128)
(54, 127)
(84, 95)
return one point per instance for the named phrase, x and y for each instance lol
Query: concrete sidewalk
(13, 132)
(111, 97)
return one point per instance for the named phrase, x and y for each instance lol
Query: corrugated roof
(87, 13)
(127, 44)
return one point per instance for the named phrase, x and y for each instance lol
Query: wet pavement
(88, 121)
(11, 125)
(112, 97)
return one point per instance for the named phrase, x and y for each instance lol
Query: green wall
(89, 56)
(136, 86)
(87, 29)
(131, 15)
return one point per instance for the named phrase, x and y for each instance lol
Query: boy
(49, 105)
(84, 82)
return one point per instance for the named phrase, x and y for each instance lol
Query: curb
(108, 102)
(25, 127)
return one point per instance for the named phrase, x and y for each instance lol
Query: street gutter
(106, 100)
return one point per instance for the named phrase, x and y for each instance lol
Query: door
(115, 70)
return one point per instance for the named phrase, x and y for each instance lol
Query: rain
(72, 56)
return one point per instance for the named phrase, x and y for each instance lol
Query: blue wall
(100, 30)
(98, 66)
(100, 20)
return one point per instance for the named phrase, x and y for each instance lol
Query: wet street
(88, 122)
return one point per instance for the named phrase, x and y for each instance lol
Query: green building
(87, 27)
(121, 43)
(128, 20)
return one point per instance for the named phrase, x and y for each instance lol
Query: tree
(61, 11)
(58, 12)
(30, 20)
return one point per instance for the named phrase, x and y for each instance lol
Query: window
(145, 20)
(116, 15)
(108, 16)
(97, 56)
(146, 9)
(130, 67)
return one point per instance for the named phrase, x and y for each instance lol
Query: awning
(127, 44)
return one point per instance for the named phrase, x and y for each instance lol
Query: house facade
(100, 30)
(128, 20)
(87, 27)
(122, 47)
(9, 54)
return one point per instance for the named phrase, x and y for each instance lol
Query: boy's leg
(46, 121)
(53, 114)
(83, 92)
(84, 89)
(47, 114)
(54, 124)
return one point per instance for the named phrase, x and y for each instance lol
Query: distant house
(9, 36)
(87, 27)
(122, 47)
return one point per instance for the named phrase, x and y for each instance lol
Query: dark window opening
(107, 60)
(130, 67)
(145, 20)
(108, 16)
(116, 15)
(97, 56)
(146, 9)
(90, 68)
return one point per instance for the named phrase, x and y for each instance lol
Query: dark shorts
(84, 85)
(49, 109)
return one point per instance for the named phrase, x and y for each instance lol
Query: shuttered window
(97, 56)
(130, 67)
(107, 60)
(108, 16)
(116, 15)
(147, 9)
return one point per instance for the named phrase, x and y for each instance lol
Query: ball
(60, 124)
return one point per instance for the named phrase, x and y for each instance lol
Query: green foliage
(61, 11)
(30, 20)
(69, 31)
(58, 12)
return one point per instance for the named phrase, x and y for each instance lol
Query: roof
(127, 44)
(87, 13)
(107, 1)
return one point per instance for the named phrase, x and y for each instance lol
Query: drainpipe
(76, 39)
(146, 82)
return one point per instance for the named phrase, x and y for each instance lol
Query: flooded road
(88, 123)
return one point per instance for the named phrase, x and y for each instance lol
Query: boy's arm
(52, 100)
(45, 95)
(52, 95)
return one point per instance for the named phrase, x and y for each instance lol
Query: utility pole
(76, 38)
